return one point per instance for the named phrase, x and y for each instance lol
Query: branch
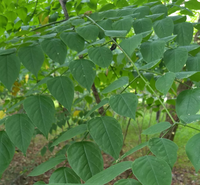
(97, 98)
(47, 25)
(63, 5)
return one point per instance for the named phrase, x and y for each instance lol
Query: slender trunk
(170, 135)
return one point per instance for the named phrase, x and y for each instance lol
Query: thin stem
(189, 126)
(49, 24)
(137, 70)
(63, 5)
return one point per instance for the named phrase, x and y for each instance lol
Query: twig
(63, 5)
(49, 24)
(34, 9)
(126, 132)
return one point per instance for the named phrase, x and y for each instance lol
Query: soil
(21, 166)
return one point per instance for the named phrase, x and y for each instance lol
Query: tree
(116, 52)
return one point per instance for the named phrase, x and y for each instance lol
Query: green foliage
(131, 57)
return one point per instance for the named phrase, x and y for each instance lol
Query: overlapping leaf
(42, 168)
(62, 88)
(32, 58)
(102, 56)
(184, 32)
(107, 133)
(55, 49)
(159, 172)
(73, 40)
(82, 70)
(142, 25)
(152, 51)
(85, 159)
(40, 109)
(164, 27)
(20, 130)
(175, 59)
(192, 150)
(7, 151)
(89, 32)
(164, 149)
(70, 134)
(164, 83)
(124, 104)
(9, 69)
(157, 128)
(130, 44)
(188, 102)
(116, 84)
(110, 173)
(64, 175)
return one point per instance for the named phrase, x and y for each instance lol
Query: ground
(16, 173)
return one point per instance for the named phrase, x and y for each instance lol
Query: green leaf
(142, 25)
(70, 134)
(7, 151)
(3, 21)
(185, 74)
(7, 51)
(164, 83)
(22, 13)
(143, 10)
(124, 104)
(159, 172)
(123, 24)
(40, 110)
(193, 63)
(152, 51)
(20, 130)
(131, 151)
(115, 33)
(73, 41)
(62, 88)
(83, 72)
(89, 32)
(64, 175)
(190, 118)
(164, 149)
(41, 82)
(39, 183)
(157, 128)
(192, 150)
(130, 44)
(51, 163)
(9, 69)
(110, 129)
(102, 56)
(187, 102)
(192, 4)
(116, 84)
(150, 65)
(85, 159)
(184, 32)
(159, 9)
(164, 27)
(32, 58)
(102, 103)
(93, 4)
(110, 173)
(55, 49)
(127, 182)
(175, 59)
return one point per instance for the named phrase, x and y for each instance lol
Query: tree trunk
(170, 135)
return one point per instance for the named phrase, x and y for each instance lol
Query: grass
(134, 136)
